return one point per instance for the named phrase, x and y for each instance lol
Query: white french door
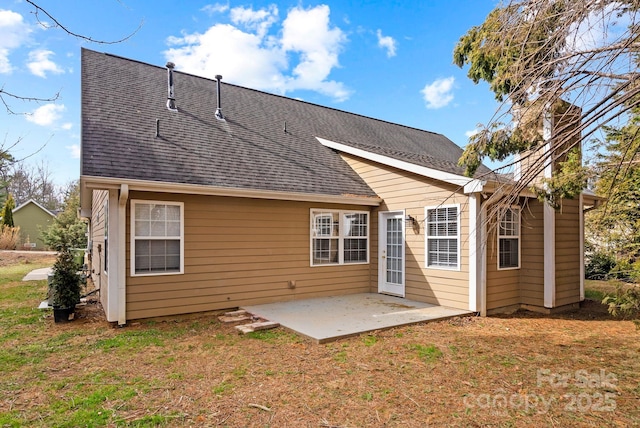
(391, 275)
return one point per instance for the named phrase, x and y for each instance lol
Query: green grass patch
(369, 340)
(131, 340)
(427, 353)
(273, 336)
(222, 388)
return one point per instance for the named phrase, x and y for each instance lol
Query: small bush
(9, 237)
(599, 266)
(625, 303)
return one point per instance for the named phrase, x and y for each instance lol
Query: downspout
(122, 262)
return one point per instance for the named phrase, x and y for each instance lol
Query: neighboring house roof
(267, 142)
(31, 201)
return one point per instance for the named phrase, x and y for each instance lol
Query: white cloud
(39, 63)
(13, 33)
(215, 8)
(388, 43)
(74, 149)
(259, 20)
(250, 52)
(471, 133)
(438, 94)
(67, 126)
(46, 115)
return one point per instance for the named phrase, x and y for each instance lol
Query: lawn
(576, 369)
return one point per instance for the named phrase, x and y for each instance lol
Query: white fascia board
(470, 185)
(196, 189)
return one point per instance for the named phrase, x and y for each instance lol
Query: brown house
(204, 195)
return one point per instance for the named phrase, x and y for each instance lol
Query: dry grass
(9, 237)
(576, 369)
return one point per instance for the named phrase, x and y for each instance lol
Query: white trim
(549, 215)
(519, 236)
(122, 261)
(381, 248)
(31, 201)
(483, 260)
(340, 237)
(132, 260)
(474, 254)
(426, 237)
(469, 184)
(547, 128)
(90, 182)
(517, 167)
(581, 217)
(111, 281)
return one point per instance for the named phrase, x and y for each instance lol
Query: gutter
(93, 182)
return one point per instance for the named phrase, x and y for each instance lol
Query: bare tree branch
(57, 23)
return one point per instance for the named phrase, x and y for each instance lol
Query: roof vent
(219, 115)
(171, 101)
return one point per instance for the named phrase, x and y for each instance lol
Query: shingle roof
(122, 99)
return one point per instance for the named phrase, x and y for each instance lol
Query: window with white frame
(442, 237)
(339, 237)
(509, 238)
(157, 237)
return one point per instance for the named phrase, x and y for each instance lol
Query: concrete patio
(325, 319)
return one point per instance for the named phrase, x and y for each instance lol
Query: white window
(339, 237)
(157, 237)
(509, 238)
(442, 237)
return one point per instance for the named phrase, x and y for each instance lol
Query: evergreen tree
(7, 212)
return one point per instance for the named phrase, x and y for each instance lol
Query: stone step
(256, 326)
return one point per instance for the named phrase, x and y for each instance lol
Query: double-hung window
(509, 238)
(339, 237)
(157, 237)
(442, 237)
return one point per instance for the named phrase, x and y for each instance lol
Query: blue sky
(389, 60)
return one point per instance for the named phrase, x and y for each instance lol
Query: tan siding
(568, 253)
(98, 276)
(502, 285)
(238, 252)
(403, 190)
(532, 266)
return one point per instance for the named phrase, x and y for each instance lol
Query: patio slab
(325, 319)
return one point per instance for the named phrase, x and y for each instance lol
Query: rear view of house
(204, 195)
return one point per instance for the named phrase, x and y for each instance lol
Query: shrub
(625, 303)
(66, 281)
(599, 265)
(9, 237)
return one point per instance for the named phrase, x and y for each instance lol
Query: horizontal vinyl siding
(568, 253)
(532, 266)
(238, 252)
(98, 276)
(503, 286)
(401, 190)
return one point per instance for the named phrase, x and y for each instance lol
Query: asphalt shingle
(123, 100)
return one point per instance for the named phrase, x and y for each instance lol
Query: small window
(157, 231)
(339, 237)
(443, 237)
(509, 238)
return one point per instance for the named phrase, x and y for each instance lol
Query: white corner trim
(549, 256)
(474, 254)
(547, 128)
(122, 238)
(468, 184)
(581, 217)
